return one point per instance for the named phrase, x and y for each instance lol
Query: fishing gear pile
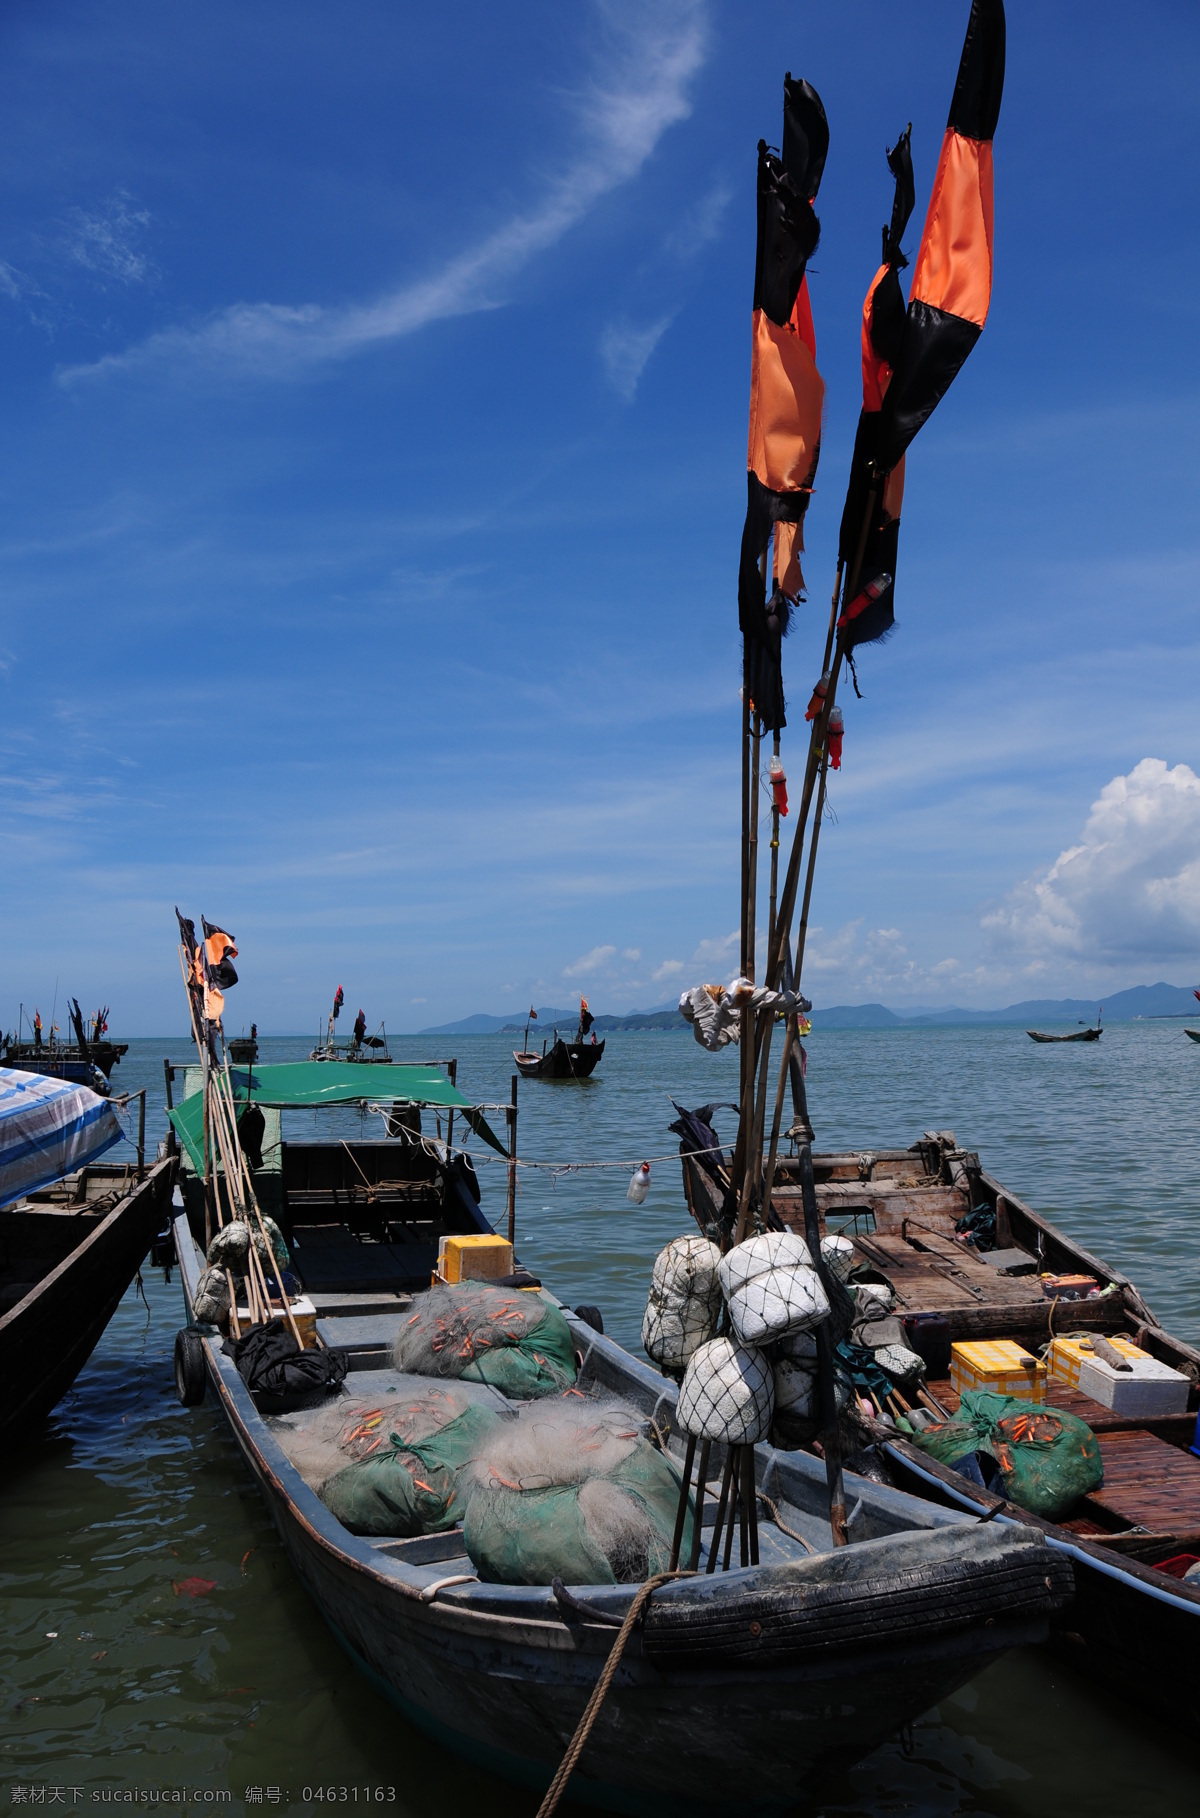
(516, 1341)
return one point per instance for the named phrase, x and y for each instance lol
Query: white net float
(684, 1305)
(727, 1394)
(771, 1288)
(795, 1390)
(901, 1364)
(838, 1252)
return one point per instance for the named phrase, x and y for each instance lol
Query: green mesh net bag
(514, 1340)
(1047, 1458)
(571, 1490)
(411, 1487)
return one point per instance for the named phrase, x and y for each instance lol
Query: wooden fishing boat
(1131, 1624)
(67, 1254)
(1193, 1033)
(1076, 1035)
(737, 1687)
(243, 1049)
(563, 1060)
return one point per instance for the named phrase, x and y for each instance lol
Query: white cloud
(105, 240)
(631, 953)
(702, 223)
(641, 91)
(589, 962)
(418, 1000)
(625, 348)
(668, 969)
(1127, 891)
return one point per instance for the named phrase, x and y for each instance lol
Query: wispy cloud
(625, 348)
(589, 962)
(106, 240)
(639, 90)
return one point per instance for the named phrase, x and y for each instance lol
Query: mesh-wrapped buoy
(771, 1288)
(901, 1364)
(684, 1303)
(838, 1252)
(727, 1394)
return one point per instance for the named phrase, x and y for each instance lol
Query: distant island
(1138, 1002)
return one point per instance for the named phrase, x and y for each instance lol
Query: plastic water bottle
(639, 1184)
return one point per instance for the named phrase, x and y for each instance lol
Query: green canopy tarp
(306, 1085)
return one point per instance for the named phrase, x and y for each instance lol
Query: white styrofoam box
(838, 1252)
(684, 1305)
(727, 1394)
(1146, 1390)
(771, 1288)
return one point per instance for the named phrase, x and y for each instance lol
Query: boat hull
(1080, 1035)
(48, 1336)
(565, 1060)
(495, 1673)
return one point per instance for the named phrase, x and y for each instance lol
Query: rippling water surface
(115, 1679)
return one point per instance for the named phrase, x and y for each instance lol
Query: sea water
(157, 1648)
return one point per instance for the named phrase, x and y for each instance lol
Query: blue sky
(371, 477)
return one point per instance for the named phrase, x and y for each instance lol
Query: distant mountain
(1139, 1001)
(856, 1016)
(1121, 1007)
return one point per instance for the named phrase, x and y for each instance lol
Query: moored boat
(1076, 1035)
(562, 1060)
(738, 1686)
(73, 1231)
(1134, 1622)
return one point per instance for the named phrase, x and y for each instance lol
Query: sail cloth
(48, 1128)
(910, 360)
(787, 393)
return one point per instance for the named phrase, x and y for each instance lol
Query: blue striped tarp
(48, 1128)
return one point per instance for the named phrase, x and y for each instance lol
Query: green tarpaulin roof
(306, 1085)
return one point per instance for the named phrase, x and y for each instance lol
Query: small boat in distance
(243, 1049)
(87, 1061)
(362, 1047)
(564, 1060)
(1194, 1033)
(1076, 1035)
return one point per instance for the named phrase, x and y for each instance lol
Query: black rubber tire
(591, 1316)
(190, 1373)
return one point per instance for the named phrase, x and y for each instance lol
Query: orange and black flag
(947, 307)
(786, 393)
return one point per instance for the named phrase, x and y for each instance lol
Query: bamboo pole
(830, 1439)
(511, 1115)
(774, 887)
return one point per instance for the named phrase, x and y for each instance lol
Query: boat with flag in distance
(73, 1232)
(962, 1275)
(361, 1046)
(736, 1687)
(576, 1059)
(87, 1061)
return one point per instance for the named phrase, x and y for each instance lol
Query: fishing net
(684, 1305)
(570, 1489)
(514, 1340)
(771, 1287)
(210, 1303)
(1047, 1458)
(727, 1393)
(322, 1441)
(412, 1486)
(230, 1246)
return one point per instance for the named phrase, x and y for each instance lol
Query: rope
(591, 1710)
(782, 1525)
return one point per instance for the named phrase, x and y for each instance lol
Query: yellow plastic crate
(1067, 1356)
(479, 1256)
(998, 1364)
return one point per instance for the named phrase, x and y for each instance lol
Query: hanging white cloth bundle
(771, 1288)
(727, 1394)
(715, 1011)
(685, 1301)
